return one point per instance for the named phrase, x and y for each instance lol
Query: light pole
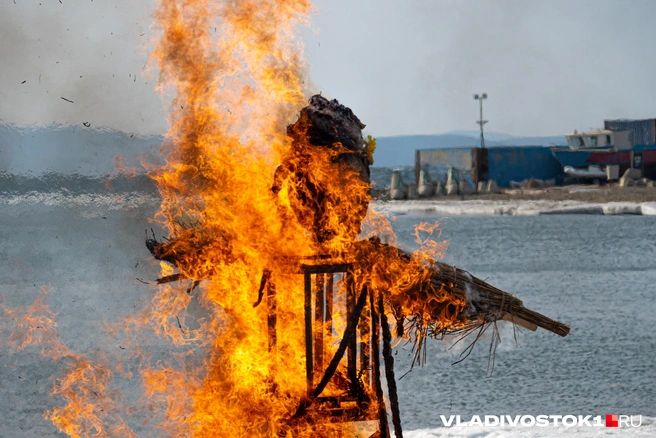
(481, 122)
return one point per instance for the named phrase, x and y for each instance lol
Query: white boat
(592, 172)
(600, 139)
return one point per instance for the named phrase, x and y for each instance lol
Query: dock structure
(628, 144)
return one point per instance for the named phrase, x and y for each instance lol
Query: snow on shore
(449, 207)
(514, 207)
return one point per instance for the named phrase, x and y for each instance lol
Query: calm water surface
(596, 273)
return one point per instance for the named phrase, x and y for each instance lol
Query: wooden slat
(375, 368)
(325, 269)
(319, 307)
(329, 305)
(308, 334)
(353, 343)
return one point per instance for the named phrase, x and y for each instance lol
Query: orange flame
(239, 199)
(90, 408)
(237, 211)
(236, 72)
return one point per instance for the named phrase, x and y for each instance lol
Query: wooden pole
(375, 356)
(365, 349)
(353, 342)
(272, 315)
(329, 305)
(389, 369)
(319, 300)
(308, 333)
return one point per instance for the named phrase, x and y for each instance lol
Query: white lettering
(555, 418)
(623, 419)
(569, 421)
(584, 421)
(445, 422)
(475, 421)
(531, 420)
(639, 424)
(542, 421)
(539, 420)
(511, 421)
(489, 418)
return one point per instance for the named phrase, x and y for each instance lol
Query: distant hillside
(400, 150)
(88, 151)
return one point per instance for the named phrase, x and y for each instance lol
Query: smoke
(93, 54)
(405, 67)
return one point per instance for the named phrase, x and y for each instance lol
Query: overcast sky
(403, 66)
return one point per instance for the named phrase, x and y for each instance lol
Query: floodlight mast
(481, 122)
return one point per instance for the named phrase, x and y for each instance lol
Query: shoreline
(585, 200)
(588, 200)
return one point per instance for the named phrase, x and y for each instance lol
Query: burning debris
(323, 185)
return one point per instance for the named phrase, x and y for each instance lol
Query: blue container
(520, 163)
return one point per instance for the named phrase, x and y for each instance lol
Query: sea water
(596, 273)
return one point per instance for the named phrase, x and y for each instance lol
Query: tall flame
(237, 74)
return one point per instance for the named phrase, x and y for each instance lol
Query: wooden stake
(375, 356)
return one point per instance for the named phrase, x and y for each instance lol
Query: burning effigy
(265, 199)
(322, 187)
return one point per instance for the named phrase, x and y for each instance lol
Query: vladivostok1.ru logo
(543, 421)
(613, 420)
(623, 420)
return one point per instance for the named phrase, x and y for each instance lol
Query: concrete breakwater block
(632, 177)
(465, 188)
(440, 190)
(399, 193)
(398, 189)
(633, 173)
(625, 182)
(451, 189)
(426, 188)
(492, 186)
(412, 191)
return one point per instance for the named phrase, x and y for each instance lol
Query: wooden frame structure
(360, 343)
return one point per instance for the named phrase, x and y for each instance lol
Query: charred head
(326, 171)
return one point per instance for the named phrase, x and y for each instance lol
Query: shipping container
(519, 163)
(436, 162)
(644, 131)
